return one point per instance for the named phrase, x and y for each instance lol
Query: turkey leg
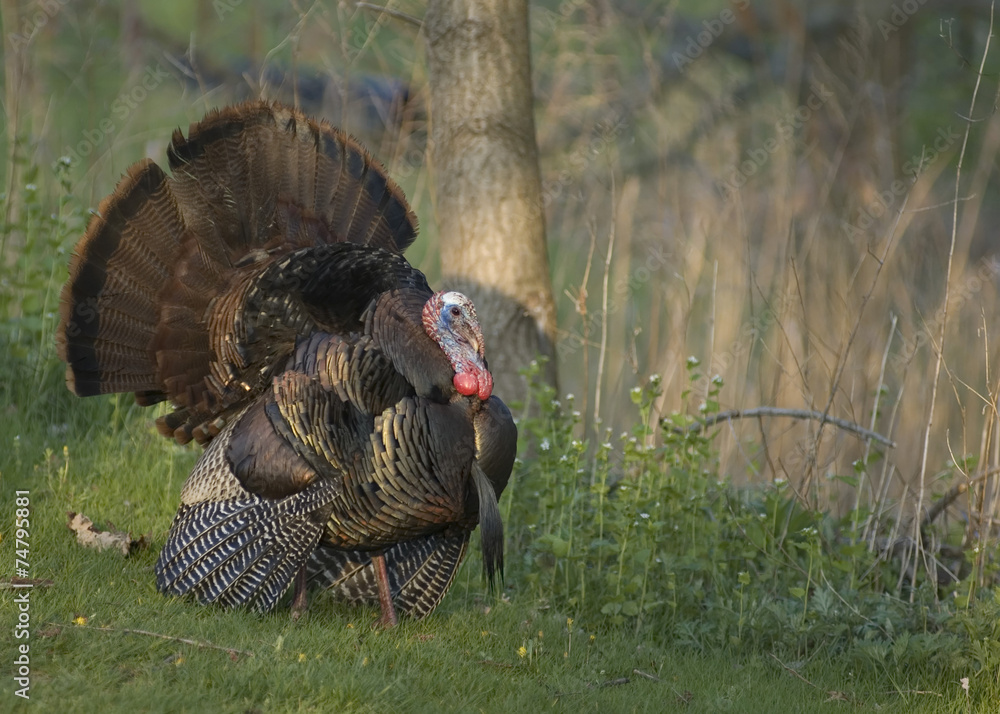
(300, 602)
(388, 618)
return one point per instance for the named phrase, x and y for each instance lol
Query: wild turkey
(347, 408)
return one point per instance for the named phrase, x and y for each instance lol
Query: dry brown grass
(764, 283)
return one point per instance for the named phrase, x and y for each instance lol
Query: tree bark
(487, 186)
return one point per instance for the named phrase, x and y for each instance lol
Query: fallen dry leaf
(90, 537)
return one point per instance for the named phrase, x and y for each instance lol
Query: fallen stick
(207, 645)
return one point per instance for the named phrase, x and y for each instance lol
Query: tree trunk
(487, 186)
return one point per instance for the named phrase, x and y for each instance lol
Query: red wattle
(486, 386)
(466, 383)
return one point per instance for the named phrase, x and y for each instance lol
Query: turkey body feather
(351, 431)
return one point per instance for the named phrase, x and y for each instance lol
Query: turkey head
(450, 319)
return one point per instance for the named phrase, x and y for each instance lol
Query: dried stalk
(944, 315)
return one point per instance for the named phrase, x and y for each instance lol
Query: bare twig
(865, 480)
(396, 14)
(651, 677)
(493, 663)
(197, 643)
(599, 685)
(842, 358)
(614, 682)
(940, 205)
(581, 308)
(21, 583)
(792, 671)
(604, 311)
(792, 413)
(951, 494)
(944, 310)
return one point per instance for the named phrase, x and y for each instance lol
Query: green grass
(478, 652)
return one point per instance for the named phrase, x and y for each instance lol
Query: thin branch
(792, 413)
(197, 643)
(651, 677)
(604, 311)
(396, 14)
(940, 205)
(600, 685)
(22, 583)
(792, 671)
(953, 493)
(944, 310)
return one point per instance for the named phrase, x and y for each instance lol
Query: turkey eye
(456, 312)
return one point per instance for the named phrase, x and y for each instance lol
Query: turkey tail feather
(421, 572)
(243, 551)
(490, 526)
(428, 575)
(109, 306)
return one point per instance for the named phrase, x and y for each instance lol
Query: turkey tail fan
(164, 266)
(260, 175)
(243, 551)
(421, 572)
(109, 307)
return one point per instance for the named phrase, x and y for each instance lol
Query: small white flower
(643, 515)
(693, 361)
(544, 446)
(564, 459)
